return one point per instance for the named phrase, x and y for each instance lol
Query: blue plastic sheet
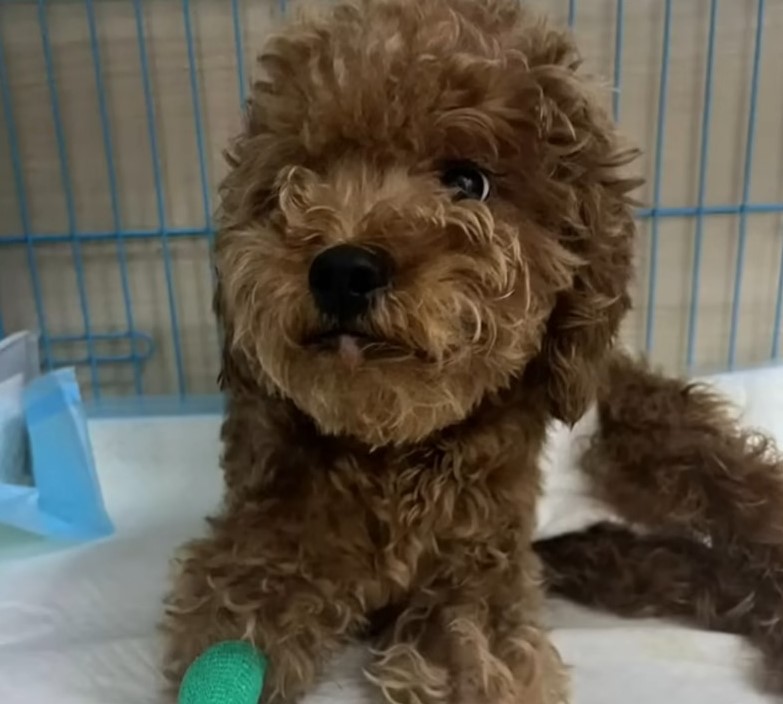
(48, 484)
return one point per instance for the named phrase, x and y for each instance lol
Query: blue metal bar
(778, 312)
(703, 160)
(156, 169)
(102, 236)
(133, 340)
(65, 177)
(200, 142)
(196, 99)
(571, 13)
(24, 213)
(239, 47)
(196, 232)
(747, 173)
(101, 360)
(691, 211)
(109, 336)
(619, 32)
(157, 406)
(114, 198)
(657, 178)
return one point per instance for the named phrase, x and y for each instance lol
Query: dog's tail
(613, 568)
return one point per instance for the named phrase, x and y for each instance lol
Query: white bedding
(77, 625)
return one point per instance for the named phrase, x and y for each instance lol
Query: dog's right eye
(466, 180)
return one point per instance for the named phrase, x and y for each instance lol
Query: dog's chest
(404, 515)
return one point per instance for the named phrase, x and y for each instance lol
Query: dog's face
(423, 205)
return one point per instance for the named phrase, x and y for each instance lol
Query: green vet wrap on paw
(227, 673)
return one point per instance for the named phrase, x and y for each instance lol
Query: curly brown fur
(344, 143)
(406, 480)
(391, 491)
(672, 460)
(319, 534)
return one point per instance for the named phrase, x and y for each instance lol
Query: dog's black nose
(343, 279)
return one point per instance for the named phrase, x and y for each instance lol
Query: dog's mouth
(355, 346)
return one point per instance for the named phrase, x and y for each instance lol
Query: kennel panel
(115, 115)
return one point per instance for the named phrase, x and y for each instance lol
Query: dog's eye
(466, 180)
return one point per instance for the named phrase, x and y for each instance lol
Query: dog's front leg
(228, 588)
(470, 646)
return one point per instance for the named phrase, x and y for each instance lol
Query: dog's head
(424, 204)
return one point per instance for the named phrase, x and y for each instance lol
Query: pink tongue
(349, 350)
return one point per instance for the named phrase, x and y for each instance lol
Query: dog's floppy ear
(585, 320)
(582, 185)
(228, 373)
(233, 376)
(245, 194)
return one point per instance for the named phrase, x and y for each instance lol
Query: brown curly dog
(424, 254)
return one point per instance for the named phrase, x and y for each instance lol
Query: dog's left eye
(466, 180)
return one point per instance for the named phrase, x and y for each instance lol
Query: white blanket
(77, 625)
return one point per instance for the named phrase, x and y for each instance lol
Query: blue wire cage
(114, 113)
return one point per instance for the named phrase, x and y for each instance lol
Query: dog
(424, 254)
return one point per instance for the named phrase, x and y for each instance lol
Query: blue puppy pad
(48, 484)
(14, 457)
(70, 504)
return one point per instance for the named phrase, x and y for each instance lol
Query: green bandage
(227, 673)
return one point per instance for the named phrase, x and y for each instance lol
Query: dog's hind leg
(672, 461)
